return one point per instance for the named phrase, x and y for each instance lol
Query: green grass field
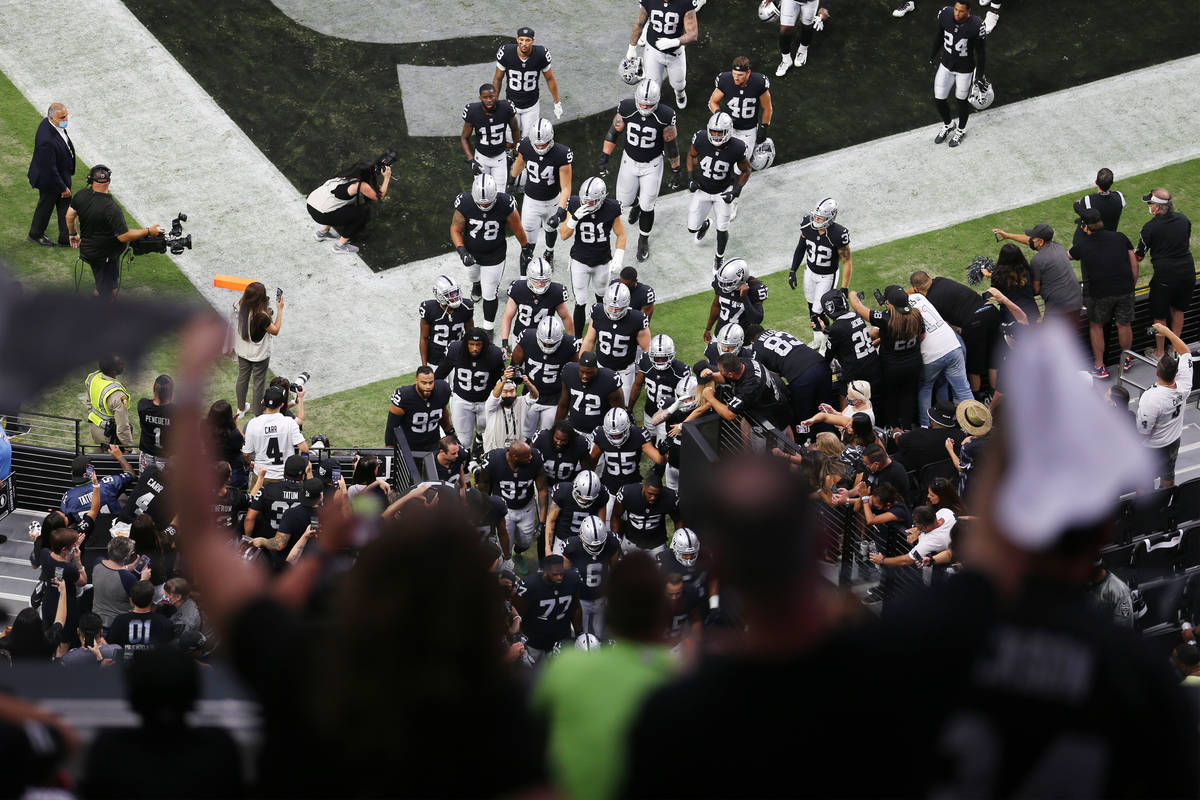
(356, 417)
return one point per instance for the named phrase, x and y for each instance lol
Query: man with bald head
(515, 475)
(1166, 238)
(50, 173)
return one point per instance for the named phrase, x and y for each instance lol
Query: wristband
(714, 601)
(619, 255)
(632, 51)
(572, 222)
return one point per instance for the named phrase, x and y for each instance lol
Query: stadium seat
(1144, 515)
(938, 469)
(1185, 505)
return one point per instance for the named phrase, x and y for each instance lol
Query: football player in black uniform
(419, 410)
(546, 166)
(756, 390)
(730, 339)
(812, 18)
(542, 353)
(154, 420)
(737, 297)
(616, 333)
(477, 232)
(591, 554)
(588, 391)
(617, 450)
(519, 67)
(640, 512)
(532, 299)
(671, 418)
(444, 319)
(494, 124)
(563, 452)
(744, 94)
(717, 170)
(686, 559)
(659, 371)
(571, 502)
(672, 25)
(549, 607)
(809, 380)
(473, 365)
(515, 475)
(594, 219)
(850, 342)
(820, 238)
(649, 130)
(960, 54)
(641, 295)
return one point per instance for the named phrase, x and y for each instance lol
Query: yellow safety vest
(100, 389)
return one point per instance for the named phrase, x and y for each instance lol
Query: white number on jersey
(588, 404)
(742, 107)
(640, 135)
(490, 228)
(713, 168)
(818, 255)
(664, 22)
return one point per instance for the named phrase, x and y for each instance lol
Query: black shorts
(979, 339)
(1170, 291)
(106, 271)
(1165, 458)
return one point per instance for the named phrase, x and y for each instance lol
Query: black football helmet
(834, 303)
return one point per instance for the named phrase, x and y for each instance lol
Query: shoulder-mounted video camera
(174, 240)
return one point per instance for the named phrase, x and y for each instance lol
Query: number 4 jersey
(271, 438)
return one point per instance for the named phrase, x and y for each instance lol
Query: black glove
(693, 184)
(467, 260)
(792, 278)
(560, 216)
(676, 179)
(526, 256)
(476, 167)
(602, 167)
(762, 130)
(732, 193)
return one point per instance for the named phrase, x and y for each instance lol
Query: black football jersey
(714, 165)
(680, 615)
(743, 102)
(561, 465)
(641, 295)
(591, 244)
(645, 136)
(695, 577)
(712, 352)
(620, 463)
(547, 617)
(570, 512)
(642, 523)
(781, 352)
(592, 569)
(472, 377)
(271, 502)
(819, 251)
(744, 309)
(154, 422)
(675, 443)
(666, 21)
(961, 43)
(533, 307)
(487, 522)
(545, 369)
(616, 339)
(150, 495)
(541, 169)
(897, 351)
(446, 325)
(850, 343)
(422, 418)
(659, 384)
(588, 401)
(489, 127)
(522, 75)
(758, 388)
(484, 231)
(515, 487)
(230, 509)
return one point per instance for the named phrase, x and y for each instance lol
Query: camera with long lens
(174, 240)
(300, 381)
(385, 160)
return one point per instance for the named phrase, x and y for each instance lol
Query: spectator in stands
(921, 447)
(108, 403)
(228, 440)
(61, 561)
(366, 477)
(881, 469)
(1160, 409)
(977, 320)
(93, 651)
(1111, 595)
(974, 419)
(141, 628)
(900, 333)
(112, 579)
(1107, 202)
(1186, 660)
(1118, 397)
(271, 439)
(1013, 277)
(254, 331)
(941, 352)
(1053, 276)
(943, 496)
(1110, 271)
(29, 639)
(887, 512)
(179, 606)
(929, 536)
(231, 504)
(286, 409)
(505, 411)
(154, 423)
(1167, 239)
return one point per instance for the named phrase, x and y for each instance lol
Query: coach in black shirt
(97, 227)
(1166, 237)
(1110, 270)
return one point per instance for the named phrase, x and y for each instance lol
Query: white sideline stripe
(10, 560)
(175, 149)
(15, 578)
(20, 598)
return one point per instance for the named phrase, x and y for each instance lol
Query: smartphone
(58, 573)
(987, 295)
(141, 564)
(879, 298)
(91, 472)
(278, 294)
(999, 238)
(802, 429)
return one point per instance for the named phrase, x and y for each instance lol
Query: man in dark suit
(50, 173)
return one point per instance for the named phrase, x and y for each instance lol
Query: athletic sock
(489, 309)
(785, 43)
(964, 111)
(579, 317)
(943, 107)
(551, 238)
(722, 240)
(646, 222)
(806, 35)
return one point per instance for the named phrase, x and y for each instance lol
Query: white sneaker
(324, 235)
(904, 8)
(346, 249)
(680, 99)
(801, 56)
(784, 65)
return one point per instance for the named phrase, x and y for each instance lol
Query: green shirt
(589, 701)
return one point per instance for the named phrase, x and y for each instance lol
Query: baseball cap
(313, 489)
(79, 467)
(1041, 231)
(294, 466)
(525, 30)
(897, 297)
(274, 397)
(587, 359)
(1089, 216)
(943, 415)
(326, 469)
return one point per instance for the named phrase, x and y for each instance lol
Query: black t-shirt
(781, 352)
(151, 496)
(135, 631)
(743, 102)
(620, 462)
(545, 369)
(547, 618)
(744, 309)
(1104, 260)
(561, 465)
(921, 447)
(1167, 237)
(70, 576)
(616, 339)
(897, 352)
(532, 307)
(894, 473)
(521, 79)
(231, 508)
(471, 376)
(591, 569)
(955, 301)
(591, 244)
(446, 325)
(645, 136)
(588, 401)
(154, 422)
(714, 165)
(570, 513)
(294, 522)
(483, 234)
(100, 223)
(489, 126)
(542, 169)
(641, 523)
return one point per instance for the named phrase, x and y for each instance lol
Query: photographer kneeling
(98, 230)
(342, 202)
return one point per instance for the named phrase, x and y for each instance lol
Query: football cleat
(784, 65)
(717, 259)
(904, 8)
(643, 250)
(943, 133)
(680, 99)
(703, 230)
(957, 137)
(801, 56)
(476, 292)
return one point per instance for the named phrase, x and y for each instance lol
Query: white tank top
(251, 351)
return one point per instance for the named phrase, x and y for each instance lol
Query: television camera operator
(344, 201)
(98, 230)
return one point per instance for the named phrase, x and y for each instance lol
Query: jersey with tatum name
(616, 339)
(660, 384)
(473, 376)
(641, 523)
(592, 569)
(545, 369)
(714, 165)
(665, 21)
(743, 102)
(588, 403)
(561, 465)
(154, 421)
(695, 576)
(744, 309)
(593, 234)
(515, 487)
(621, 462)
(850, 343)
(541, 169)
(960, 41)
(271, 502)
(446, 325)
(533, 307)
(781, 352)
(422, 418)
(547, 617)
(522, 75)
(645, 137)
(570, 512)
(484, 231)
(819, 250)
(490, 128)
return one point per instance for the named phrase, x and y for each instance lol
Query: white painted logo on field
(586, 41)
